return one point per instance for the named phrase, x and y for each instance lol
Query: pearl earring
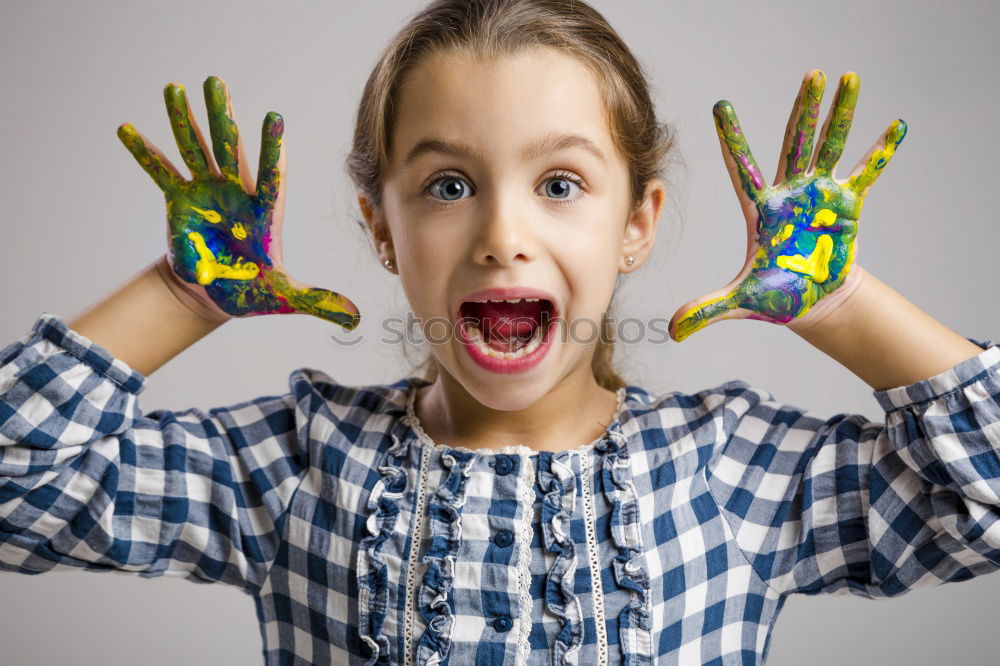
(629, 260)
(388, 264)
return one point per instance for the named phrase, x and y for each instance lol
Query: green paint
(806, 227)
(221, 236)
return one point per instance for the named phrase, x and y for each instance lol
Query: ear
(640, 232)
(378, 228)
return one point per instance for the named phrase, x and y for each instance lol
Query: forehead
(501, 105)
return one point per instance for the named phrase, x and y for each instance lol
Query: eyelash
(558, 175)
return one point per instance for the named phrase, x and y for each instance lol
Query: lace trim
(411, 564)
(526, 498)
(558, 483)
(621, 395)
(590, 520)
(629, 565)
(373, 583)
(445, 513)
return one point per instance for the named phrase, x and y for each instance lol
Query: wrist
(831, 310)
(184, 298)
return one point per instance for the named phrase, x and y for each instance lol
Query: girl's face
(506, 176)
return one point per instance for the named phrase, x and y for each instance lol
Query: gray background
(80, 217)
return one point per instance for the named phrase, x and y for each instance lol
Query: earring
(629, 260)
(388, 264)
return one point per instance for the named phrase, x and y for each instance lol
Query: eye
(564, 183)
(446, 188)
(450, 188)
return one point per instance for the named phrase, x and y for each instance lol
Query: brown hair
(492, 29)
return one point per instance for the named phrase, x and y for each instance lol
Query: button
(504, 465)
(503, 538)
(503, 623)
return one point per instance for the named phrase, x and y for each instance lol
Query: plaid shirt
(673, 538)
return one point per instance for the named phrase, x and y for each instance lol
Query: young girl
(520, 503)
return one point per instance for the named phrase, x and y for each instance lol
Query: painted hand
(224, 231)
(802, 230)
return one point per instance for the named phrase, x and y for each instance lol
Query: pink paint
(752, 170)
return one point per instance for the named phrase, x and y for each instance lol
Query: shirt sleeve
(89, 481)
(846, 504)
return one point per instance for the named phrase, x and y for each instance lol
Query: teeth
(477, 338)
(509, 300)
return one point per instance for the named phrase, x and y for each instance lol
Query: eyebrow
(547, 144)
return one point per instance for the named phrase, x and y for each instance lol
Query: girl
(508, 163)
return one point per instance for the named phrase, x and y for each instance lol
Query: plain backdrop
(80, 216)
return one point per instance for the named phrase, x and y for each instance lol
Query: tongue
(506, 326)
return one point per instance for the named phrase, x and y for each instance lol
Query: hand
(802, 230)
(224, 231)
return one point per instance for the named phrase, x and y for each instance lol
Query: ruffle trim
(445, 513)
(629, 566)
(558, 485)
(373, 583)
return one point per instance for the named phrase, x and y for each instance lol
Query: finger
(797, 149)
(164, 174)
(736, 151)
(870, 166)
(723, 303)
(837, 125)
(270, 171)
(190, 141)
(321, 303)
(701, 312)
(227, 145)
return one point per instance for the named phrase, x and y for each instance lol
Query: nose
(504, 233)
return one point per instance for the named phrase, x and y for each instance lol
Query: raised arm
(846, 502)
(87, 479)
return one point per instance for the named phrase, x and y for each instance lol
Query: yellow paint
(783, 235)
(208, 269)
(332, 303)
(816, 266)
(689, 323)
(879, 158)
(209, 215)
(239, 230)
(824, 217)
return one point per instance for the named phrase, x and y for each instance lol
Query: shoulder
(718, 405)
(348, 414)
(702, 421)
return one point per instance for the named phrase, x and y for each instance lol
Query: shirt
(674, 538)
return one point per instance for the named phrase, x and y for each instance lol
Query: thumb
(322, 303)
(724, 303)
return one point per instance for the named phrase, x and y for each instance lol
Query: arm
(89, 481)
(86, 478)
(147, 321)
(877, 509)
(848, 503)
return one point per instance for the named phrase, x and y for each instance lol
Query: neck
(575, 412)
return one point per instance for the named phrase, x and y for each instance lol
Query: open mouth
(507, 329)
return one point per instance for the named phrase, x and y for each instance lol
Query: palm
(224, 231)
(802, 230)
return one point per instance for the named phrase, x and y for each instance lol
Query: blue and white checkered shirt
(674, 538)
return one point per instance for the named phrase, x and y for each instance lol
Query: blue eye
(564, 186)
(448, 188)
